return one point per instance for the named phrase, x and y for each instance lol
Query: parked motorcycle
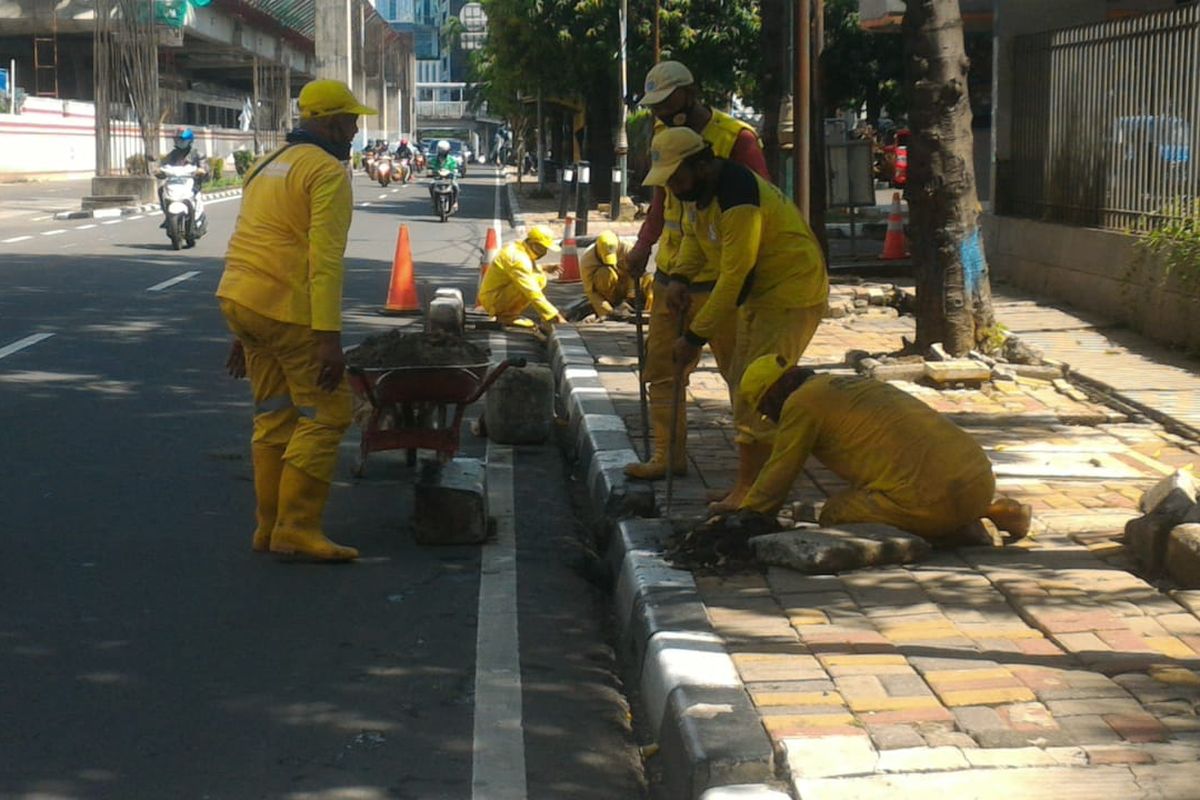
(183, 209)
(383, 170)
(442, 192)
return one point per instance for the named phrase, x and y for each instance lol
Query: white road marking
(136, 216)
(54, 232)
(364, 205)
(113, 222)
(16, 239)
(383, 196)
(498, 760)
(158, 287)
(85, 227)
(21, 344)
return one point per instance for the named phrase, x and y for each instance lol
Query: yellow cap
(664, 78)
(760, 376)
(325, 98)
(668, 150)
(607, 247)
(541, 235)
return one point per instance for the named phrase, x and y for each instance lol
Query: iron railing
(1106, 122)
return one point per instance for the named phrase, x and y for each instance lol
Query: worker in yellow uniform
(281, 295)
(907, 465)
(771, 281)
(672, 96)
(514, 282)
(607, 284)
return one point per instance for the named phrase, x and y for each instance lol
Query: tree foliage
(861, 67)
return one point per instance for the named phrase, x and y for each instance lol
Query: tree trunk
(772, 36)
(954, 303)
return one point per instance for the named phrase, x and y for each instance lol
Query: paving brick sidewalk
(1051, 659)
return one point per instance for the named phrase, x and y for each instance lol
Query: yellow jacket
(516, 266)
(872, 435)
(721, 133)
(285, 257)
(768, 257)
(593, 289)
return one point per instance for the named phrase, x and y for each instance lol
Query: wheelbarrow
(419, 407)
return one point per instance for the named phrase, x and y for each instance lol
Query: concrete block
(661, 610)
(637, 534)
(957, 370)
(897, 372)
(450, 503)
(1183, 555)
(611, 492)
(1146, 537)
(641, 572)
(826, 551)
(1175, 493)
(675, 659)
(711, 737)
(756, 791)
(520, 406)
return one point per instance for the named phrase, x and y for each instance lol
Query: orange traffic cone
(895, 246)
(402, 292)
(491, 248)
(568, 271)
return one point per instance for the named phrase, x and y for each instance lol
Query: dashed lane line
(16, 239)
(113, 222)
(158, 287)
(85, 227)
(54, 232)
(21, 344)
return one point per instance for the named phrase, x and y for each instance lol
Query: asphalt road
(146, 652)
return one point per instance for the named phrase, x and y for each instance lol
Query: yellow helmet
(541, 236)
(608, 248)
(760, 376)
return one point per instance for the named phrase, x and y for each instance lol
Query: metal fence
(1106, 122)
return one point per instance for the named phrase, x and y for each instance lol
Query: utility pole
(622, 147)
(802, 107)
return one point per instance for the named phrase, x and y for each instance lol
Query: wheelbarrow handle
(517, 362)
(368, 388)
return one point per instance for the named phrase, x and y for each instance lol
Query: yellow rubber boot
(751, 458)
(298, 529)
(268, 467)
(656, 468)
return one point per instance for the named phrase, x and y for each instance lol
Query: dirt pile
(398, 349)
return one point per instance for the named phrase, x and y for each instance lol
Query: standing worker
(607, 284)
(514, 282)
(907, 465)
(771, 279)
(674, 99)
(281, 295)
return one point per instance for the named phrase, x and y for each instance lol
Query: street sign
(3, 81)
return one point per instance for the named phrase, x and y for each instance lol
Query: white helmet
(443, 146)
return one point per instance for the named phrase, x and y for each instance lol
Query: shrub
(242, 159)
(217, 167)
(1177, 240)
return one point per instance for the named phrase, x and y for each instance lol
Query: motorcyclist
(403, 150)
(444, 160)
(183, 155)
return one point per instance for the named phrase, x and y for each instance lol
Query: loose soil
(397, 349)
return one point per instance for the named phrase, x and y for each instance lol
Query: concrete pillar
(334, 40)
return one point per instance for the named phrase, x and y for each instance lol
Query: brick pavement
(1051, 658)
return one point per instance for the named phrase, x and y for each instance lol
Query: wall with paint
(56, 138)
(1094, 270)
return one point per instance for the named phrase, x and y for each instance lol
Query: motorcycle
(442, 191)
(383, 170)
(369, 165)
(404, 170)
(183, 209)
(419, 161)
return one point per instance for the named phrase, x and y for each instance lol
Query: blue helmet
(184, 138)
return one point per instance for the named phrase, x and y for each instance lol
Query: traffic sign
(3, 81)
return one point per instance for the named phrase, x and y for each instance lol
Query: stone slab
(1183, 555)
(450, 503)
(826, 551)
(957, 370)
(1179, 481)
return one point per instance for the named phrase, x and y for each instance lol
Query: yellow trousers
(506, 302)
(290, 410)
(759, 333)
(609, 287)
(664, 329)
(928, 517)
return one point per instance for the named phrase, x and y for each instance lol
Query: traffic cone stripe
(491, 249)
(895, 246)
(568, 271)
(402, 291)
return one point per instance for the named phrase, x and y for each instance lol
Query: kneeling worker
(607, 284)
(514, 282)
(907, 465)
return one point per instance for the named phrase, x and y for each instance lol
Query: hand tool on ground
(673, 435)
(639, 305)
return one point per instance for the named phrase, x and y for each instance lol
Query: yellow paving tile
(1176, 676)
(1170, 646)
(893, 703)
(987, 697)
(863, 658)
(953, 676)
(774, 722)
(796, 698)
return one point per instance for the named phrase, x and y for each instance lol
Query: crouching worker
(607, 284)
(907, 465)
(514, 282)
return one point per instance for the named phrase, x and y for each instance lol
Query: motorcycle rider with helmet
(444, 160)
(183, 155)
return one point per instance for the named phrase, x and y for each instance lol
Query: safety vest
(721, 132)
